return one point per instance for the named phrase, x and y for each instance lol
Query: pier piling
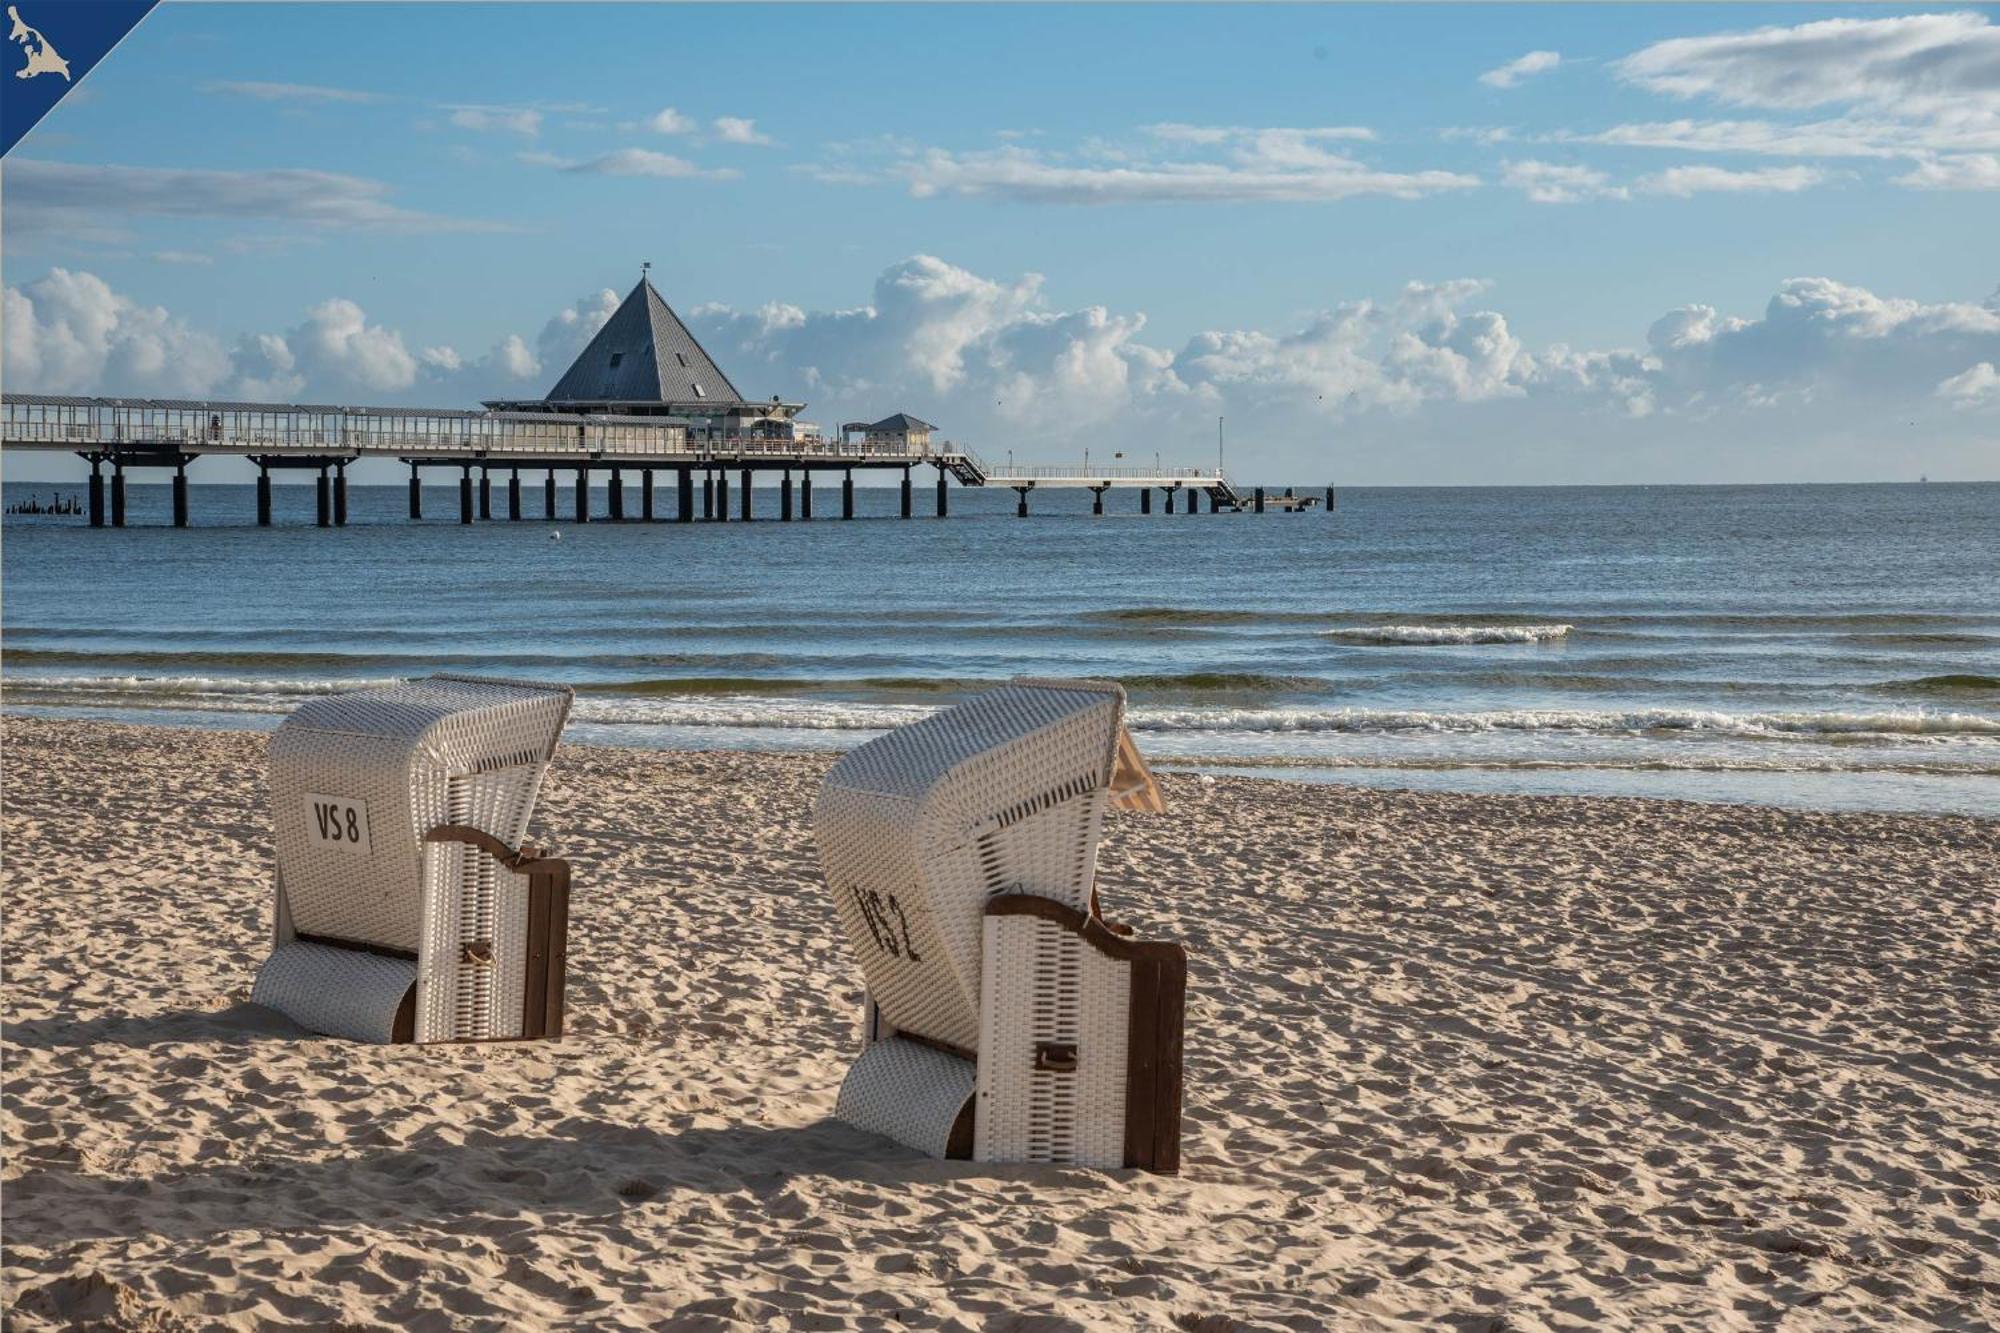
(513, 495)
(748, 487)
(117, 494)
(721, 497)
(1021, 505)
(1170, 497)
(323, 493)
(264, 495)
(485, 494)
(683, 495)
(416, 492)
(96, 493)
(1145, 499)
(1194, 500)
(906, 492)
(805, 493)
(708, 496)
(646, 494)
(943, 494)
(339, 495)
(1260, 499)
(1097, 500)
(465, 494)
(847, 494)
(616, 492)
(785, 497)
(549, 496)
(583, 495)
(1329, 498)
(181, 495)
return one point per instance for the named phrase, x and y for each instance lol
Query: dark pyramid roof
(657, 360)
(902, 421)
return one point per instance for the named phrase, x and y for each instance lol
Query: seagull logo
(42, 58)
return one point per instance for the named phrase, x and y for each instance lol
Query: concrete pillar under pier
(340, 495)
(749, 487)
(708, 495)
(117, 495)
(583, 495)
(485, 494)
(465, 494)
(721, 496)
(617, 494)
(785, 497)
(324, 494)
(181, 495)
(1145, 499)
(1021, 506)
(683, 495)
(1097, 500)
(906, 491)
(646, 494)
(416, 492)
(805, 493)
(264, 494)
(549, 496)
(1170, 498)
(513, 495)
(847, 494)
(943, 494)
(1259, 493)
(96, 493)
(1194, 500)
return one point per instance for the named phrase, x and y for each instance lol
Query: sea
(1824, 647)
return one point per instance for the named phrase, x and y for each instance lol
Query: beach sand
(1469, 1062)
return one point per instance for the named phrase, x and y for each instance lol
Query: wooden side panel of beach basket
(1005, 1021)
(406, 909)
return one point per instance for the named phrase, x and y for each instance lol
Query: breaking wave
(1448, 634)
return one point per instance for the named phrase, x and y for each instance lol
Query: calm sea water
(1830, 646)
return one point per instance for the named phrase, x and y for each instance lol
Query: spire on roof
(644, 354)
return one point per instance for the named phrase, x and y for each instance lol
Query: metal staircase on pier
(968, 467)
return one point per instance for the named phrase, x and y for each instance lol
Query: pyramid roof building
(645, 354)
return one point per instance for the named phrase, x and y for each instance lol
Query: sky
(1429, 244)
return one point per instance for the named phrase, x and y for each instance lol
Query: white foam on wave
(763, 712)
(1908, 722)
(190, 690)
(1448, 634)
(752, 711)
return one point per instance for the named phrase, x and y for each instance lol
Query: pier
(642, 403)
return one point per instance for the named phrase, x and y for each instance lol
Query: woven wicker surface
(443, 750)
(918, 828)
(907, 1092)
(340, 992)
(1044, 984)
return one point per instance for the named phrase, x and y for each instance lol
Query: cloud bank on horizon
(995, 361)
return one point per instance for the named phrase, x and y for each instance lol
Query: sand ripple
(1460, 1062)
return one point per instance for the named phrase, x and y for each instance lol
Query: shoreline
(1452, 1059)
(1728, 778)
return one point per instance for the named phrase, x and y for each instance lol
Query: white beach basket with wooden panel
(406, 908)
(1005, 1021)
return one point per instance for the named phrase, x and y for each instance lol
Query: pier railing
(1000, 476)
(123, 425)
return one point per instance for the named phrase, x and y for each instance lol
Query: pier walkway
(126, 434)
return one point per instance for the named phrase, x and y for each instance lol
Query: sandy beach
(1468, 1062)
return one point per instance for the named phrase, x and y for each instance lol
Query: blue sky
(1071, 224)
